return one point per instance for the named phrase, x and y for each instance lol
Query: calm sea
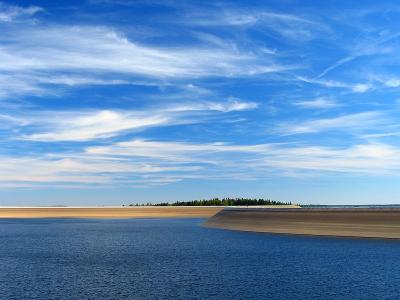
(178, 259)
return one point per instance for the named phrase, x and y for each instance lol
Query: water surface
(178, 259)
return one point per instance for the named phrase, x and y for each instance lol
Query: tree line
(219, 202)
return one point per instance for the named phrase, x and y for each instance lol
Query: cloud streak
(285, 25)
(99, 124)
(10, 13)
(350, 122)
(102, 49)
(368, 159)
(35, 56)
(318, 103)
(354, 87)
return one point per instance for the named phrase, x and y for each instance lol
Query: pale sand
(370, 222)
(108, 212)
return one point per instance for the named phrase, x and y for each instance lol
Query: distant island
(219, 202)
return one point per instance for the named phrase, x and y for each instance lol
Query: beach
(351, 222)
(109, 212)
(118, 211)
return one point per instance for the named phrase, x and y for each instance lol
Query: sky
(109, 102)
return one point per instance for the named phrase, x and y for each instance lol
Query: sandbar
(109, 212)
(348, 222)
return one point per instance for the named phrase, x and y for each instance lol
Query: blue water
(178, 259)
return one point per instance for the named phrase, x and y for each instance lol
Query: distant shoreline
(340, 222)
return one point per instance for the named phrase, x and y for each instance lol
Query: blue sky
(109, 102)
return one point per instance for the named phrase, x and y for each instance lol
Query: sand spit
(108, 212)
(350, 222)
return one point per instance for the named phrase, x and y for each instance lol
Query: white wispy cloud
(356, 121)
(371, 159)
(83, 126)
(133, 163)
(10, 13)
(386, 80)
(354, 87)
(8, 120)
(102, 49)
(174, 151)
(152, 162)
(364, 47)
(260, 160)
(30, 171)
(319, 103)
(14, 86)
(92, 125)
(90, 48)
(393, 82)
(336, 64)
(232, 105)
(284, 24)
(380, 135)
(36, 56)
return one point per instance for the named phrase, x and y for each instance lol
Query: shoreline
(353, 222)
(107, 212)
(112, 212)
